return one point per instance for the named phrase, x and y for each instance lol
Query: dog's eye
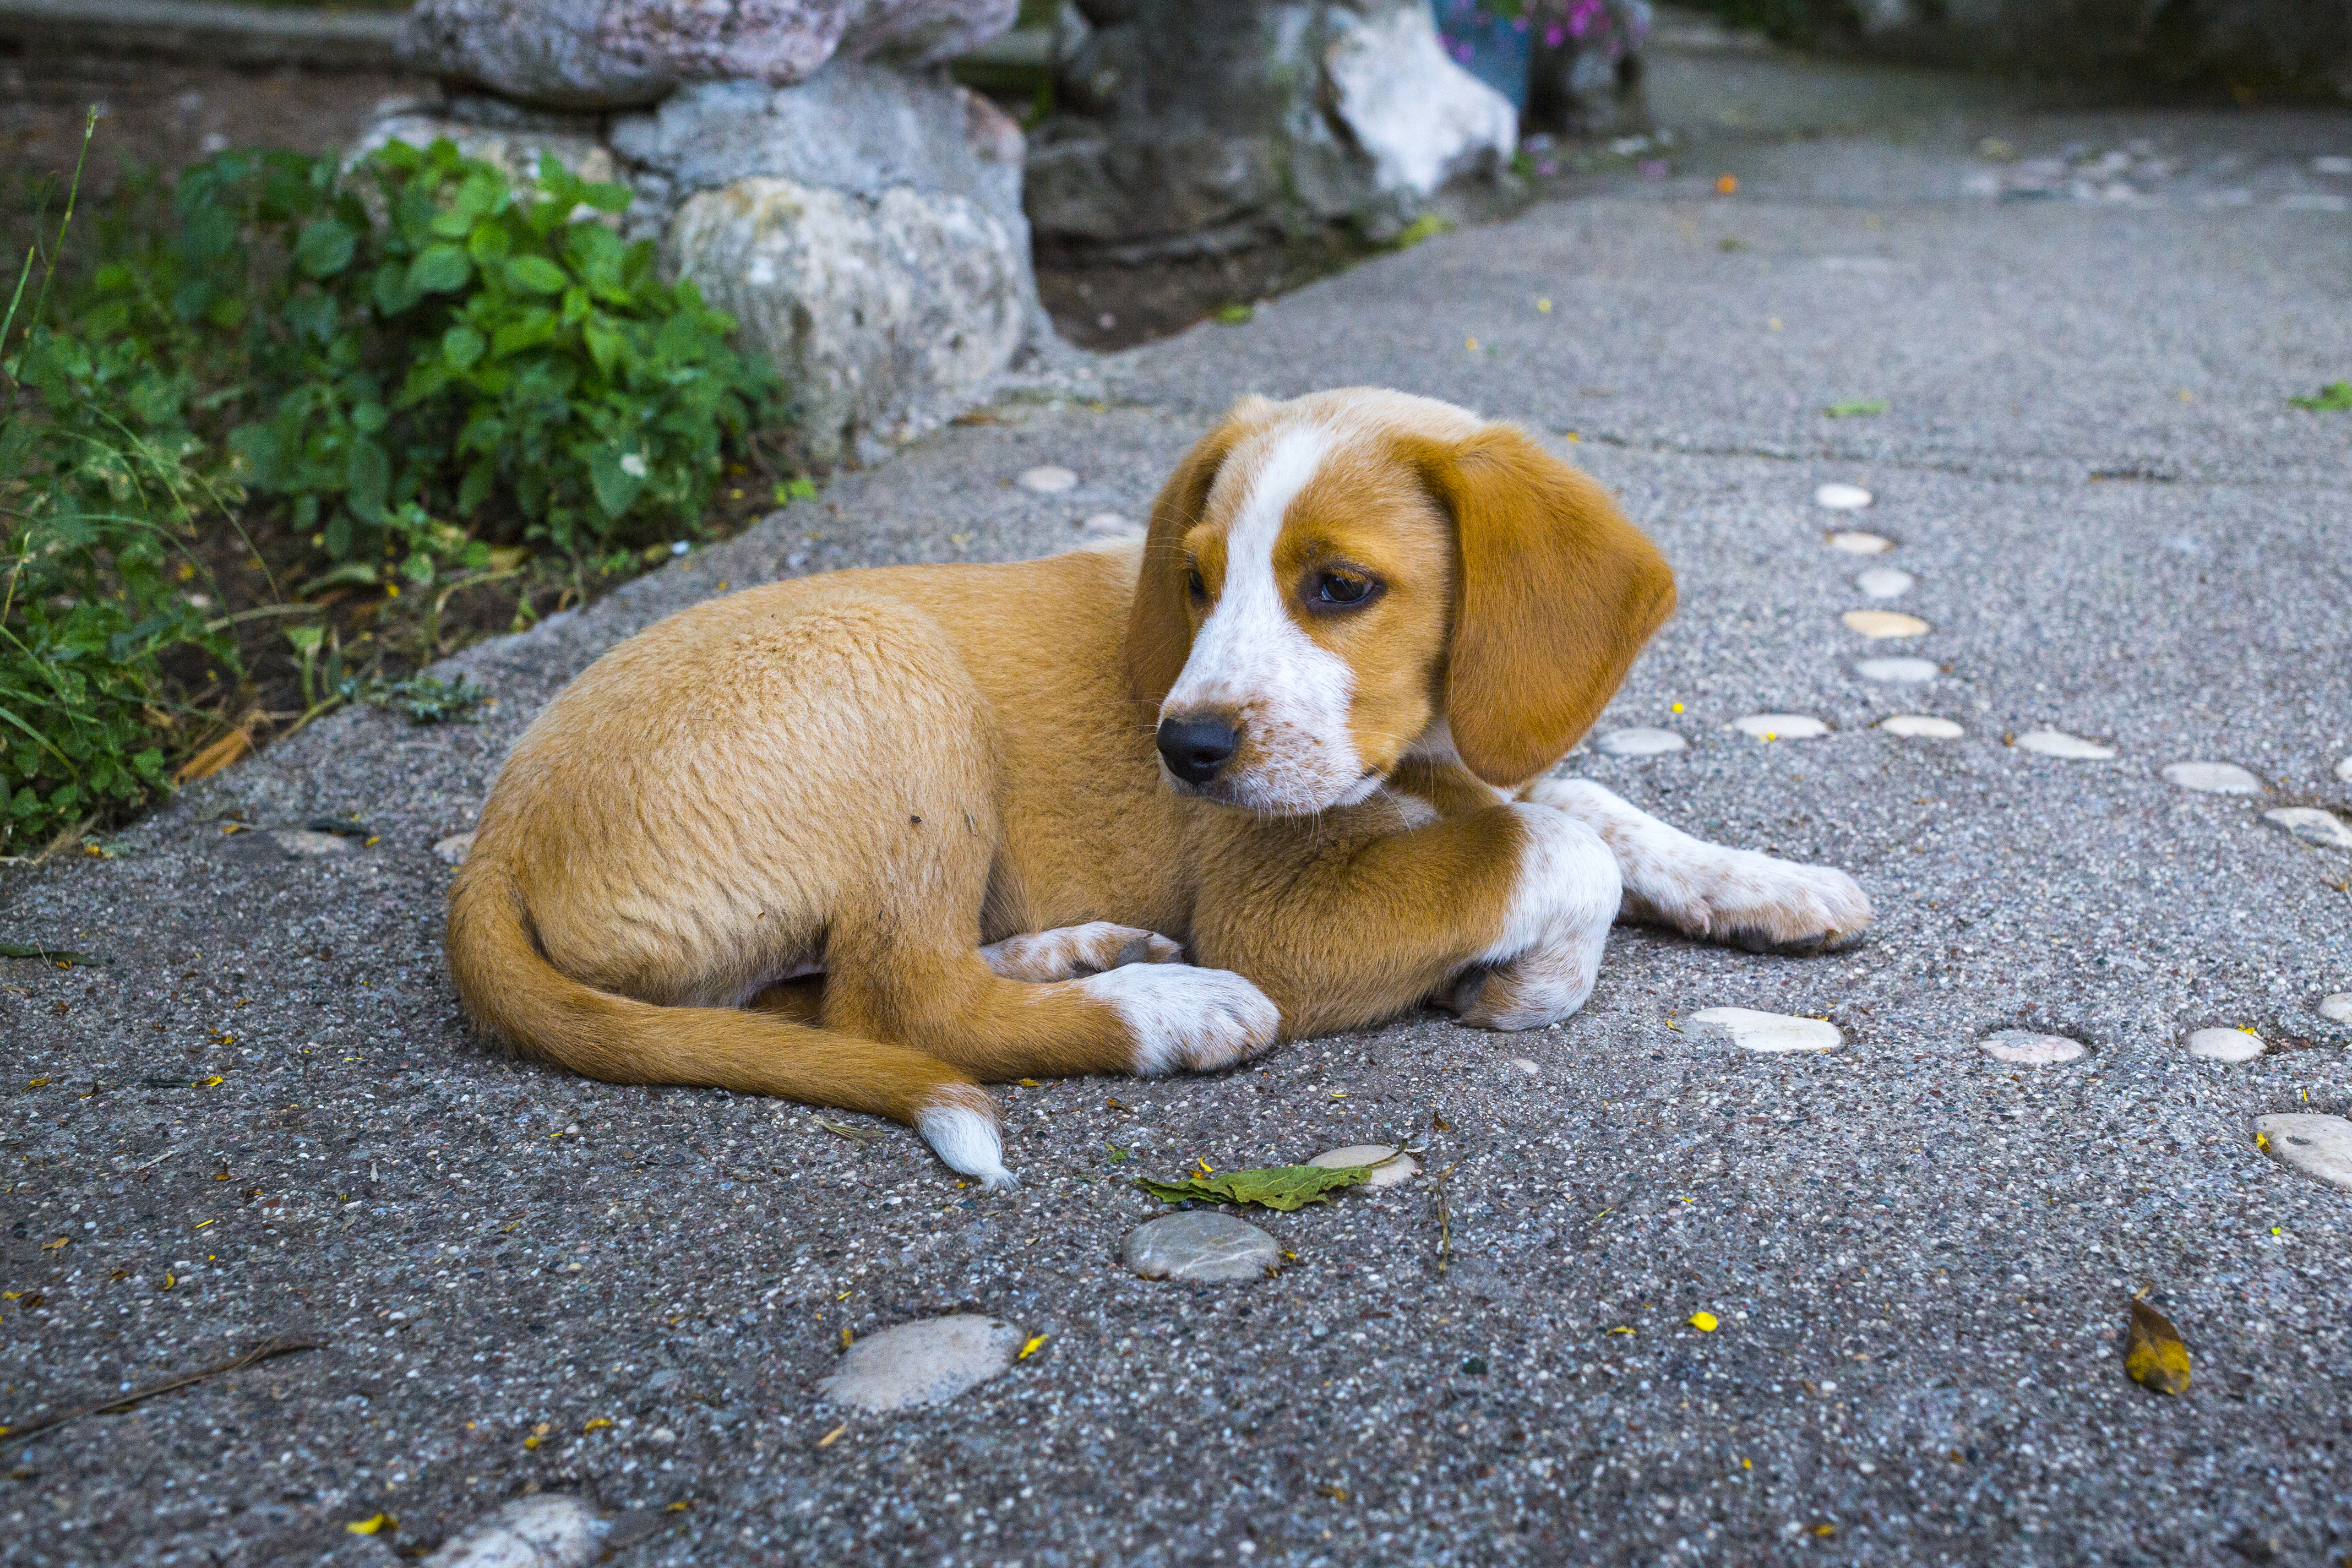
(1343, 589)
(1196, 585)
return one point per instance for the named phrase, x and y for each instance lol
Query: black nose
(1196, 749)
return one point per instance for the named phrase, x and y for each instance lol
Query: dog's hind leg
(1735, 895)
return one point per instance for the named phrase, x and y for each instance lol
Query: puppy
(872, 838)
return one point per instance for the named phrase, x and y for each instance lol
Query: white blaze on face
(1251, 660)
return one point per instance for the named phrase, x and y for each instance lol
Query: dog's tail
(509, 988)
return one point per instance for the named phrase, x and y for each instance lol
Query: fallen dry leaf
(214, 757)
(2153, 1354)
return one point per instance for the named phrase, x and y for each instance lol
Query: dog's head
(1335, 582)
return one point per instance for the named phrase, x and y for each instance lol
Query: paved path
(1918, 1257)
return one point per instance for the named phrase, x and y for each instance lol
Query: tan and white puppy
(872, 838)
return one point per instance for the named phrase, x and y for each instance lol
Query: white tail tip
(966, 1140)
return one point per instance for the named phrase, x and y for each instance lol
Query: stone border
(207, 30)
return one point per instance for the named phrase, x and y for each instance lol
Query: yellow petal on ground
(1703, 1321)
(2153, 1354)
(370, 1526)
(595, 1424)
(1885, 624)
(1035, 1340)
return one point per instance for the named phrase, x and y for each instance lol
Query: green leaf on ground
(54, 954)
(1283, 1188)
(1236, 315)
(1856, 408)
(2335, 397)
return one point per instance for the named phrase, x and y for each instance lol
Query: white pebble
(1861, 543)
(2058, 743)
(928, 1362)
(2316, 1145)
(1770, 1031)
(1049, 480)
(1639, 741)
(2225, 1044)
(1201, 1246)
(1780, 727)
(2338, 1006)
(2026, 1048)
(455, 848)
(549, 1529)
(309, 845)
(1389, 1166)
(2344, 769)
(1876, 624)
(1110, 525)
(1885, 581)
(1531, 1069)
(2313, 825)
(1897, 671)
(2213, 778)
(1841, 497)
(1922, 727)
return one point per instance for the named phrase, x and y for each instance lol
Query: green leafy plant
(424, 699)
(2335, 397)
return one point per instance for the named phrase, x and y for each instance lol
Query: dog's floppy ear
(1554, 594)
(1159, 634)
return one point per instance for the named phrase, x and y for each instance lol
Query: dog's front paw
(1182, 1017)
(1754, 901)
(1071, 953)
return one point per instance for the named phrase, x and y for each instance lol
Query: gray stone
(1839, 497)
(1879, 624)
(1202, 1246)
(547, 1529)
(1885, 581)
(2338, 1006)
(1921, 727)
(605, 54)
(2059, 743)
(1851, 543)
(1639, 741)
(2316, 1145)
(929, 1362)
(2344, 769)
(2213, 778)
(2026, 1048)
(1048, 480)
(2313, 825)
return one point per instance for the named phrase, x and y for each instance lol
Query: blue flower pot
(1492, 48)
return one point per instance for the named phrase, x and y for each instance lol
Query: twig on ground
(284, 1344)
(854, 1135)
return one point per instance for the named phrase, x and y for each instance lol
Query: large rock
(604, 54)
(1197, 125)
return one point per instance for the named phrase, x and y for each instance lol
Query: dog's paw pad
(1185, 1017)
(1070, 953)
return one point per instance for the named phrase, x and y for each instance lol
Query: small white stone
(1921, 727)
(1861, 543)
(1780, 727)
(1049, 480)
(2058, 743)
(1841, 497)
(1389, 1166)
(307, 844)
(1897, 671)
(2313, 825)
(1531, 1069)
(2028, 1050)
(2316, 1145)
(2225, 1044)
(2344, 769)
(547, 1529)
(928, 1362)
(2213, 778)
(1110, 525)
(1885, 581)
(455, 848)
(1878, 624)
(1757, 1031)
(2338, 1006)
(1639, 741)
(1201, 1246)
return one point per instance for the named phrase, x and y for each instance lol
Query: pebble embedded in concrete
(305, 844)
(1885, 581)
(1639, 741)
(2058, 743)
(2213, 778)
(1861, 543)
(2316, 1145)
(1921, 727)
(2225, 1044)
(1111, 525)
(2338, 1006)
(1840, 497)
(455, 848)
(1201, 1246)
(1776, 1031)
(1389, 1165)
(2344, 769)
(2026, 1048)
(546, 1529)
(928, 1362)
(1897, 671)
(1780, 726)
(2313, 825)
(1885, 624)
(1049, 480)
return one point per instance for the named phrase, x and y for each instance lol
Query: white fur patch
(1184, 1016)
(1291, 696)
(1563, 901)
(963, 1135)
(1705, 889)
(1068, 952)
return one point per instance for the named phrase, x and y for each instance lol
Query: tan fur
(873, 774)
